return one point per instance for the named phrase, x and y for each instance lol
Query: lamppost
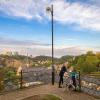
(50, 9)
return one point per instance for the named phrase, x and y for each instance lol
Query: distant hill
(19, 60)
(43, 58)
(66, 58)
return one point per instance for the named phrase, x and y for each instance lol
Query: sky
(25, 26)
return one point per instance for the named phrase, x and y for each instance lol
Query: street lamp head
(48, 9)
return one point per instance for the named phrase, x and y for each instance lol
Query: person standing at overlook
(61, 74)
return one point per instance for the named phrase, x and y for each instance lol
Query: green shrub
(1, 79)
(87, 64)
(87, 67)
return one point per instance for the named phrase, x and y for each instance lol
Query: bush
(87, 64)
(1, 79)
(87, 67)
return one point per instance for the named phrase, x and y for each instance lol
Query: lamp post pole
(50, 9)
(53, 70)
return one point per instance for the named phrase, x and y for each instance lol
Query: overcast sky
(25, 26)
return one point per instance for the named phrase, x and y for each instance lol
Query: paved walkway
(46, 89)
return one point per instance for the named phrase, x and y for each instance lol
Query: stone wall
(43, 75)
(91, 85)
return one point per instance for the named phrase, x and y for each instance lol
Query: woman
(61, 74)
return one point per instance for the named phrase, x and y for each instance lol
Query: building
(15, 53)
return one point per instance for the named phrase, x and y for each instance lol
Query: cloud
(81, 14)
(37, 48)
(95, 2)
(27, 9)
(25, 43)
(36, 51)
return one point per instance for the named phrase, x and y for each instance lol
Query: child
(73, 76)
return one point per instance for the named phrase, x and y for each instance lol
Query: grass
(43, 97)
(50, 97)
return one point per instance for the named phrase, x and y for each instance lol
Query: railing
(87, 83)
(36, 76)
(27, 78)
(32, 77)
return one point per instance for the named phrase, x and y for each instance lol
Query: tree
(67, 58)
(80, 63)
(87, 63)
(90, 53)
(98, 66)
(98, 55)
(92, 59)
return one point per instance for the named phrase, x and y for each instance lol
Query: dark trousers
(60, 80)
(74, 81)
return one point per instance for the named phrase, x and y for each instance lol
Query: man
(61, 74)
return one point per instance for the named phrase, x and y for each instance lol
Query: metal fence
(36, 76)
(26, 78)
(30, 77)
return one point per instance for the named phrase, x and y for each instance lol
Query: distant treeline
(87, 63)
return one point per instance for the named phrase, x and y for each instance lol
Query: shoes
(60, 86)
